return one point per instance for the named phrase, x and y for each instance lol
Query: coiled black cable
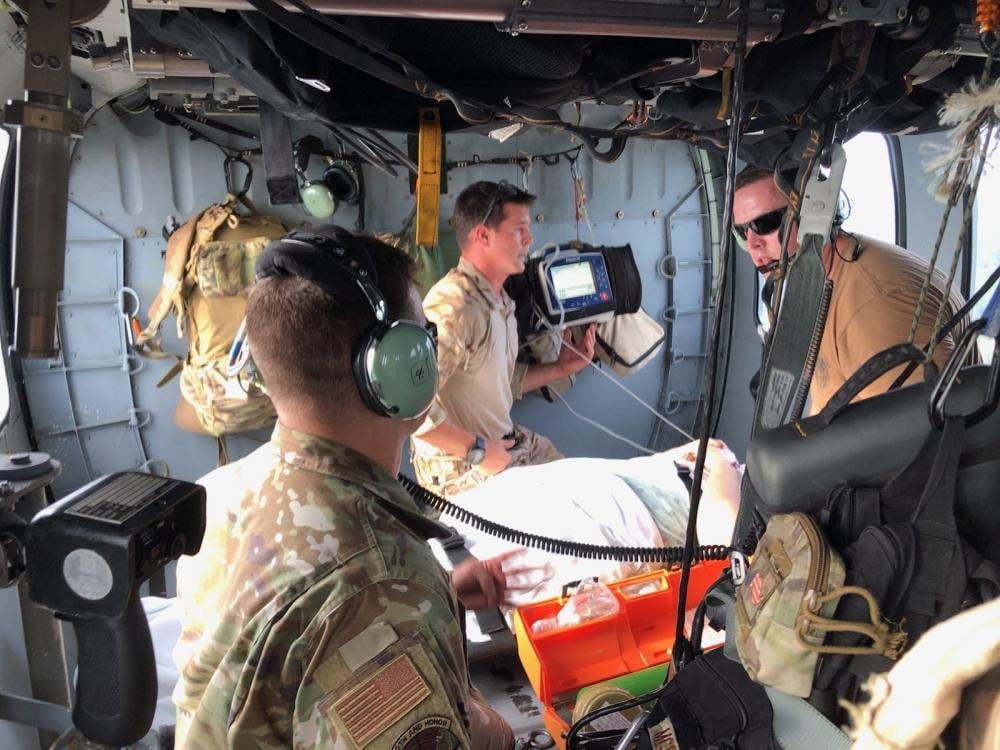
(668, 555)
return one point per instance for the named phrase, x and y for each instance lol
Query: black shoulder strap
(491, 622)
(940, 577)
(875, 367)
(279, 162)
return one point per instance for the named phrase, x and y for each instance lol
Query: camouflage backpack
(786, 605)
(209, 269)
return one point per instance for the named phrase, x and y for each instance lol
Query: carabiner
(949, 375)
(819, 199)
(228, 164)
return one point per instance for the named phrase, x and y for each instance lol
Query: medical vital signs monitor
(576, 288)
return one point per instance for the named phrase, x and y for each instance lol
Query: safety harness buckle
(819, 200)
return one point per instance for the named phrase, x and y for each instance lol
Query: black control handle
(116, 682)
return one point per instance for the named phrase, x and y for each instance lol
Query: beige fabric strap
(885, 641)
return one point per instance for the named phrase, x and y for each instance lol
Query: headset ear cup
(342, 182)
(395, 367)
(368, 342)
(317, 200)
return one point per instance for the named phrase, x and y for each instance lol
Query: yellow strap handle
(429, 177)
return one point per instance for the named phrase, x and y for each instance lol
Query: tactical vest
(208, 272)
(900, 540)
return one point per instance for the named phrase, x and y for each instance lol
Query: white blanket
(638, 502)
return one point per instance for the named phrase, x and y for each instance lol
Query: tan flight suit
(479, 379)
(874, 299)
(315, 614)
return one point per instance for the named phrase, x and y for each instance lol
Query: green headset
(339, 183)
(394, 363)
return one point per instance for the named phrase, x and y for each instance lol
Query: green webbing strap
(785, 365)
(797, 725)
(791, 356)
(784, 371)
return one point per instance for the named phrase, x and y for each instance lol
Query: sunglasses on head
(503, 192)
(763, 224)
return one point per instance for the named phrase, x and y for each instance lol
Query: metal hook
(228, 164)
(945, 382)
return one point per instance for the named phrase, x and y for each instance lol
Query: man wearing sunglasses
(876, 286)
(469, 435)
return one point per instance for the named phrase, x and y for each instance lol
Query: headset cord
(668, 555)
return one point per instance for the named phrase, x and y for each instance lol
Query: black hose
(681, 648)
(668, 555)
(615, 150)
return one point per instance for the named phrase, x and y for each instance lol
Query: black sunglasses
(763, 224)
(503, 192)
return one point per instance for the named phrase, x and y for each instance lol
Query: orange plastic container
(560, 662)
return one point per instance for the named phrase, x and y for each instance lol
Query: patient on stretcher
(634, 502)
(637, 502)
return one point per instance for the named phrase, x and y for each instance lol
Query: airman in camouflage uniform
(315, 615)
(479, 377)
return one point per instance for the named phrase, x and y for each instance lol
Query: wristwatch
(477, 452)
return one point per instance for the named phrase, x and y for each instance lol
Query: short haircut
(302, 338)
(751, 174)
(473, 202)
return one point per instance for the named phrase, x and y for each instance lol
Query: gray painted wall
(130, 173)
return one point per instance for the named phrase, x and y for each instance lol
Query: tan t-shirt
(479, 376)
(874, 299)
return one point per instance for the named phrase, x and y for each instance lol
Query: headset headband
(321, 260)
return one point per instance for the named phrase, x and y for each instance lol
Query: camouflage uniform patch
(793, 564)
(431, 733)
(226, 269)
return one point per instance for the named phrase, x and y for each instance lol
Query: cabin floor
(505, 687)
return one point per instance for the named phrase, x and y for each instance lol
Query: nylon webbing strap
(490, 621)
(798, 725)
(279, 162)
(784, 371)
(784, 367)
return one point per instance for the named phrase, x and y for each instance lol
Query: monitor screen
(573, 280)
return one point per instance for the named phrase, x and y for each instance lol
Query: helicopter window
(986, 240)
(869, 188)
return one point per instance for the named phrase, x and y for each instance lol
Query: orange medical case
(560, 662)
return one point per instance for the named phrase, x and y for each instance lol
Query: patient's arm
(720, 485)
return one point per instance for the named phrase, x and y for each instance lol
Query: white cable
(601, 427)
(546, 262)
(543, 249)
(625, 388)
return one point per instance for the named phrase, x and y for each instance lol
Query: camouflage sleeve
(384, 670)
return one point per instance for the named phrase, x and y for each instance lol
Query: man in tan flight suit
(875, 290)
(315, 615)
(469, 435)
